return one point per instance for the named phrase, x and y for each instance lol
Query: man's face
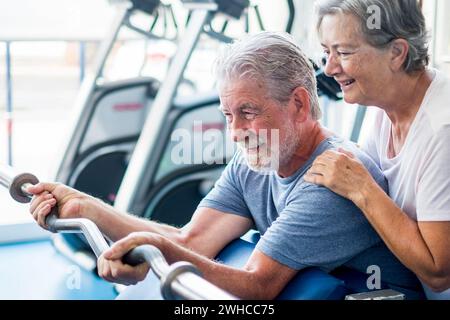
(260, 126)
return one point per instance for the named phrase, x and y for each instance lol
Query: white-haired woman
(377, 50)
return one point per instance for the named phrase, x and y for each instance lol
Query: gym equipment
(96, 131)
(179, 280)
(325, 85)
(140, 172)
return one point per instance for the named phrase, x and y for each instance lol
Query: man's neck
(308, 144)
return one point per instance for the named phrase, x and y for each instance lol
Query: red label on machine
(9, 124)
(123, 107)
(202, 127)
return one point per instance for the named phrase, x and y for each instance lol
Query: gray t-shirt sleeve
(318, 228)
(227, 194)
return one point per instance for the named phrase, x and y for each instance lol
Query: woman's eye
(344, 54)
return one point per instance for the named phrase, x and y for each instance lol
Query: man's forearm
(242, 283)
(116, 225)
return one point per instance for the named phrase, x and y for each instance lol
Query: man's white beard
(270, 158)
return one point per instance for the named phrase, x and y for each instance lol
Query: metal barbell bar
(179, 280)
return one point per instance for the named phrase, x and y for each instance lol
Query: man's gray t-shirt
(304, 225)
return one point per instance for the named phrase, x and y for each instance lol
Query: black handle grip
(140, 255)
(150, 254)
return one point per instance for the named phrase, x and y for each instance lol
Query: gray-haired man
(266, 85)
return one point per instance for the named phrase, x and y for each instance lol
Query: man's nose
(238, 130)
(332, 66)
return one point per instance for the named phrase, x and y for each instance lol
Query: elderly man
(269, 99)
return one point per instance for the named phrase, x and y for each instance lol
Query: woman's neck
(407, 99)
(404, 108)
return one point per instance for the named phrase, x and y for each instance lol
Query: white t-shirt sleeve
(433, 187)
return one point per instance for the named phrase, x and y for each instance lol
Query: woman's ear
(300, 100)
(399, 53)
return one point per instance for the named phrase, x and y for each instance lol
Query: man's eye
(344, 54)
(249, 116)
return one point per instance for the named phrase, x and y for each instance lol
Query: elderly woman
(377, 51)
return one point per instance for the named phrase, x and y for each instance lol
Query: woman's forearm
(400, 233)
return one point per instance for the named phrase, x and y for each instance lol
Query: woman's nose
(332, 66)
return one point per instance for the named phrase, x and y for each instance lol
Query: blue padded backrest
(308, 284)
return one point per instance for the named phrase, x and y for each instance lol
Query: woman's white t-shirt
(419, 176)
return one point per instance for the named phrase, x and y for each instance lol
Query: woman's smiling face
(362, 70)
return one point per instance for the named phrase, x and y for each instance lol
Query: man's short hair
(274, 60)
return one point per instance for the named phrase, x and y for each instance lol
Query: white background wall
(54, 18)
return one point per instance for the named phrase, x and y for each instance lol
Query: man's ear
(399, 54)
(300, 101)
